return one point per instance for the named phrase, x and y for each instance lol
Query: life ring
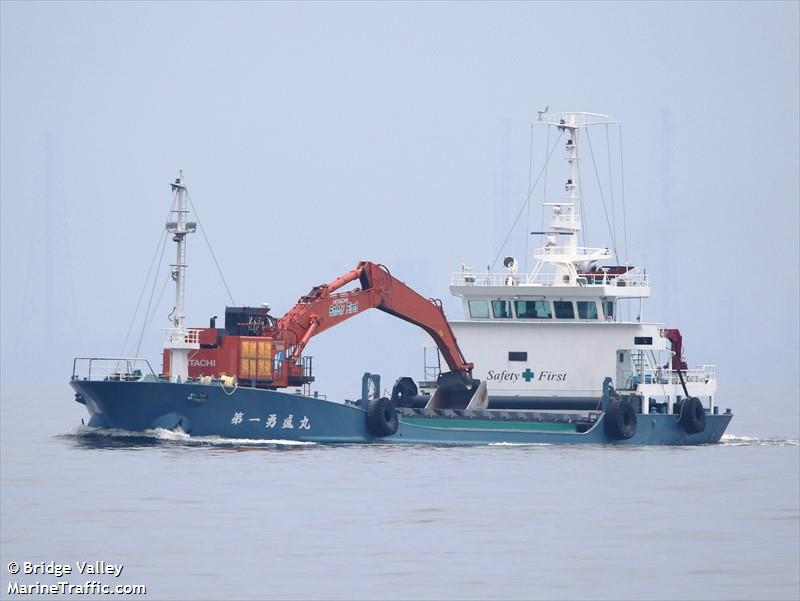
(693, 415)
(620, 419)
(382, 417)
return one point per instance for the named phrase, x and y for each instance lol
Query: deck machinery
(262, 351)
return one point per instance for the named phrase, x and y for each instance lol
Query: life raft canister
(693, 415)
(620, 419)
(382, 417)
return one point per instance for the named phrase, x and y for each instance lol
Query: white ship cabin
(576, 318)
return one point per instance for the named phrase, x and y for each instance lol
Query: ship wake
(112, 437)
(735, 440)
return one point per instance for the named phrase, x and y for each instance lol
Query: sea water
(213, 518)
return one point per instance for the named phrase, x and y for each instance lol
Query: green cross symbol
(527, 374)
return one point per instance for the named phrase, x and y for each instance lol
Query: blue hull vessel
(228, 381)
(252, 413)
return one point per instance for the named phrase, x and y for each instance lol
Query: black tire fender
(382, 417)
(620, 419)
(693, 415)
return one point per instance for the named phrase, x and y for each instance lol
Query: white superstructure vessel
(552, 339)
(549, 337)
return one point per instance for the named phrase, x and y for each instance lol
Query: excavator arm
(324, 308)
(401, 301)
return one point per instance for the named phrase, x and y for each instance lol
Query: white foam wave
(736, 440)
(520, 444)
(182, 437)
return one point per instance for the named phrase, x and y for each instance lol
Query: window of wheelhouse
(587, 310)
(608, 309)
(533, 309)
(501, 309)
(564, 309)
(479, 309)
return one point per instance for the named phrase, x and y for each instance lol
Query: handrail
(183, 336)
(469, 278)
(117, 368)
(702, 374)
(580, 251)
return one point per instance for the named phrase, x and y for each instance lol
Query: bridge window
(479, 309)
(501, 309)
(587, 310)
(564, 309)
(533, 309)
(608, 309)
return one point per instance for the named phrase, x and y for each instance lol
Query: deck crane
(324, 308)
(268, 352)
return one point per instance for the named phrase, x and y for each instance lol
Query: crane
(324, 308)
(268, 352)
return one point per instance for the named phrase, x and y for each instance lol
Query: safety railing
(113, 369)
(599, 278)
(188, 336)
(580, 251)
(703, 374)
(469, 278)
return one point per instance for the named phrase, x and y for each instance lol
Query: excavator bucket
(454, 391)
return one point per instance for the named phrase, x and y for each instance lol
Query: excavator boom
(268, 352)
(324, 308)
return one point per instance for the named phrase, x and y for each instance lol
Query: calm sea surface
(199, 519)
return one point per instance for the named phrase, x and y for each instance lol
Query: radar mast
(565, 221)
(180, 340)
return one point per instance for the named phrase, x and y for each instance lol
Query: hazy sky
(315, 135)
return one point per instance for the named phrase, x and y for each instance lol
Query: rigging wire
(528, 221)
(624, 212)
(158, 301)
(213, 256)
(544, 190)
(584, 224)
(602, 197)
(146, 325)
(611, 186)
(613, 209)
(150, 301)
(141, 293)
(161, 242)
(525, 203)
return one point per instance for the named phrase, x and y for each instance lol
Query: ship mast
(567, 258)
(180, 340)
(571, 222)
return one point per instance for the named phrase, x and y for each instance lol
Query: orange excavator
(267, 352)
